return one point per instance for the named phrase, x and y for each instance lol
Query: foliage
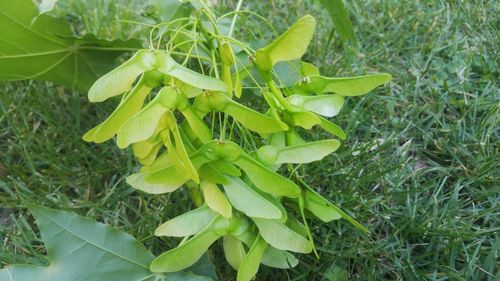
(176, 153)
(42, 47)
(171, 139)
(418, 167)
(81, 249)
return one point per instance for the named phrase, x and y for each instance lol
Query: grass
(419, 169)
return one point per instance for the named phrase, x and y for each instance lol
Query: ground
(419, 169)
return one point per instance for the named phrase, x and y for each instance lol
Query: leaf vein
(50, 67)
(89, 65)
(92, 243)
(31, 30)
(36, 54)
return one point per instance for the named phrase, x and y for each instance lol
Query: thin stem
(180, 30)
(278, 95)
(309, 235)
(214, 63)
(271, 27)
(235, 17)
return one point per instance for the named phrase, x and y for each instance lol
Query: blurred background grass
(419, 169)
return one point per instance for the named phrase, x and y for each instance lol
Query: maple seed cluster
(241, 198)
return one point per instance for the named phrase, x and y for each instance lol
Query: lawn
(420, 168)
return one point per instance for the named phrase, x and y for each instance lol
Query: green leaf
(278, 258)
(281, 237)
(326, 105)
(233, 250)
(248, 201)
(108, 253)
(169, 66)
(290, 45)
(345, 86)
(250, 264)
(302, 153)
(267, 180)
(215, 199)
(124, 111)
(187, 224)
(203, 267)
(173, 9)
(46, 49)
(340, 19)
(190, 251)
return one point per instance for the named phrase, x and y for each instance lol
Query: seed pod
(345, 86)
(120, 79)
(289, 46)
